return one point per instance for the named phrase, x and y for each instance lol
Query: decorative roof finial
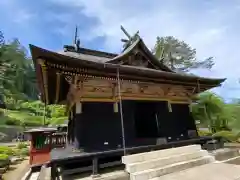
(76, 41)
(130, 40)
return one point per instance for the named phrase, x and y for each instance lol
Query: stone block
(160, 162)
(157, 172)
(140, 157)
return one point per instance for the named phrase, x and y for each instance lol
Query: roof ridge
(90, 51)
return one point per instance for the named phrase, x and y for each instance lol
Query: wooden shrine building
(121, 100)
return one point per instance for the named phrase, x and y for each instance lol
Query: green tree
(2, 41)
(234, 111)
(17, 77)
(179, 55)
(211, 110)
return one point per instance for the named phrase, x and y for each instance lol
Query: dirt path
(17, 171)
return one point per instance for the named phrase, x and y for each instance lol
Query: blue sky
(210, 26)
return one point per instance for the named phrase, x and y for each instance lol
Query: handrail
(58, 140)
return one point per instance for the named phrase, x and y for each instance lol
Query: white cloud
(16, 12)
(23, 16)
(205, 26)
(209, 26)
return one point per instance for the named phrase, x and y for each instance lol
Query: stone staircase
(154, 164)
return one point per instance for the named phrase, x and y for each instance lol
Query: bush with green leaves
(204, 133)
(33, 113)
(12, 122)
(228, 136)
(4, 160)
(24, 152)
(22, 145)
(7, 150)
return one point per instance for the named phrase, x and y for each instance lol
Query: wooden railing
(58, 140)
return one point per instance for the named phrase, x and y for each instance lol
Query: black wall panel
(98, 127)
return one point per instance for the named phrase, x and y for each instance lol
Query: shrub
(29, 123)
(7, 150)
(228, 136)
(12, 122)
(22, 145)
(4, 157)
(24, 152)
(204, 133)
(4, 160)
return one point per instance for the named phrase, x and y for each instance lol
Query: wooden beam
(179, 102)
(172, 101)
(98, 100)
(128, 77)
(42, 63)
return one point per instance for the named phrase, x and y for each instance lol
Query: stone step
(140, 157)
(234, 160)
(153, 173)
(224, 154)
(160, 162)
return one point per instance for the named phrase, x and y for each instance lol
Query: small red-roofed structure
(41, 145)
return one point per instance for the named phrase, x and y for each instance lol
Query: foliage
(6, 150)
(179, 55)
(228, 136)
(24, 152)
(4, 160)
(18, 77)
(31, 113)
(13, 122)
(22, 145)
(214, 113)
(4, 157)
(211, 110)
(204, 133)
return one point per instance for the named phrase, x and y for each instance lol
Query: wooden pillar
(115, 107)
(77, 125)
(190, 106)
(78, 108)
(169, 106)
